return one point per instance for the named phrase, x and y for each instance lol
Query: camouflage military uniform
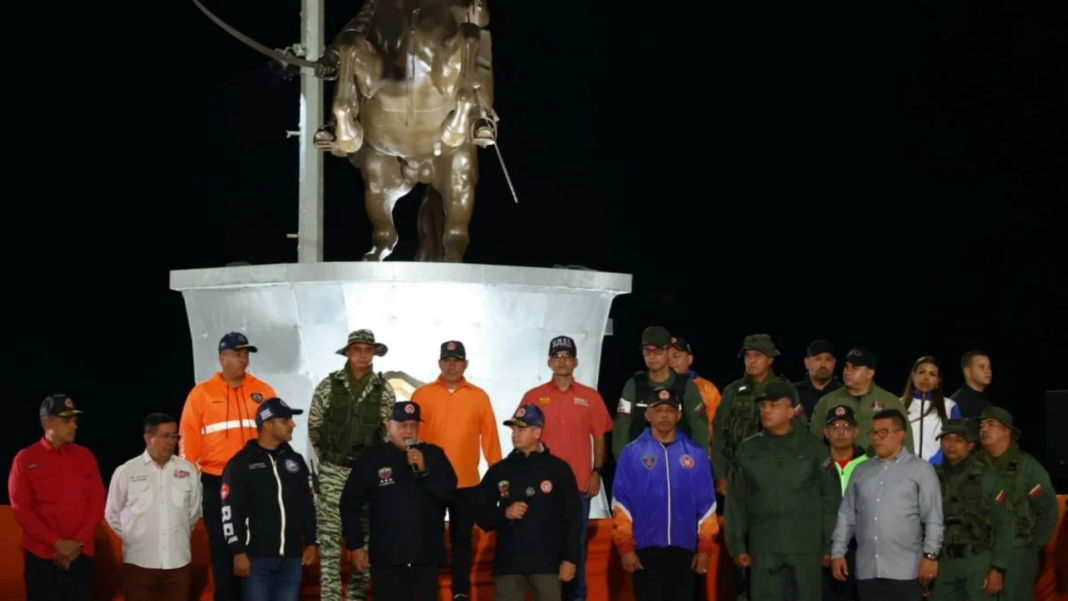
(339, 439)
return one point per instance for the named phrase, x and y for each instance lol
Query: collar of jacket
(806, 383)
(541, 450)
(255, 445)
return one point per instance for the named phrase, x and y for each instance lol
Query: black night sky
(882, 174)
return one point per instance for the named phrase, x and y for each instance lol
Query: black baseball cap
(680, 343)
(453, 348)
(841, 412)
(861, 357)
(235, 341)
(59, 405)
(663, 396)
(775, 390)
(275, 407)
(563, 343)
(405, 411)
(819, 346)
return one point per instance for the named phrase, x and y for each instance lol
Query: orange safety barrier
(604, 576)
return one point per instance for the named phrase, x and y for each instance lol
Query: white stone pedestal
(300, 314)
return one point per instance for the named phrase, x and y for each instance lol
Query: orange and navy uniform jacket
(663, 496)
(459, 422)
(55, 495)
(218, 420)
(711, 397)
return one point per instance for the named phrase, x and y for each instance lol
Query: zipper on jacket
(281, 506)
(667, 467)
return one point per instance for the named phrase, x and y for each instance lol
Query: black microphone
(411, 442)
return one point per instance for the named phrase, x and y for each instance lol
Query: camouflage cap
(964, 428)
(364, 337)
(656, 336)
(1003, 416)
(761, 343)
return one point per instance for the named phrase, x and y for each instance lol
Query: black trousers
(45, 582)
(461, 524)
(227, 586)
(667, 573)
(836, 590)
(417, 582)
(885, 589)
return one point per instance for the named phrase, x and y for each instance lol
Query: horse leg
(385, 184)
(459, 175)
(431, 226)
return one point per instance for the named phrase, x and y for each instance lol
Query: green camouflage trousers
(331, 483)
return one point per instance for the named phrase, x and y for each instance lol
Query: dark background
(882, 174)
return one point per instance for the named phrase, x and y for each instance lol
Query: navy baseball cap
(453, 348)
(273, 408)
(861, 357)
(527, 416)
(405, 411)
(235, 341)
(563, 343)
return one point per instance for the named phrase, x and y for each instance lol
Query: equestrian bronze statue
(413, 103)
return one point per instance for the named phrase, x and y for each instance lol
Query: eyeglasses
(883, 432)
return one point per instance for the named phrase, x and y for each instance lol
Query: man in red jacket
(57, 497)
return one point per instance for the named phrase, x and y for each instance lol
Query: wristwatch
(931, 556)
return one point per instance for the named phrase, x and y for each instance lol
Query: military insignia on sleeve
(624, 407)
(648, 461)
(257, 397)
(827, 464)
(877, 406)
(686, 461)
(1002, 495)
(546, 486)
(799, 411)
(701, 409)
(502, 486)
(1034, 492)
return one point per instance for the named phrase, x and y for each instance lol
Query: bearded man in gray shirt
(893, 505)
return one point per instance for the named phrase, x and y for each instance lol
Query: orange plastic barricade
(604, 576)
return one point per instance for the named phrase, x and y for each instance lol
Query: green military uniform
(348, 416)
(1033, 503)
(864, 407)
(630, 414)
(782, 504)
(978, 526)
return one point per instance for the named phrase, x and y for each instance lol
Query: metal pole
(310, 232)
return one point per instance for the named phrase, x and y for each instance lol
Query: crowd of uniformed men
(832, 489)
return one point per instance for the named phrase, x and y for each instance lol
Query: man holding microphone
(407, 484)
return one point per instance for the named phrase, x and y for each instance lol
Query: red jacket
(56, 495)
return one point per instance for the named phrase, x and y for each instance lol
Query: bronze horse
(413, 103)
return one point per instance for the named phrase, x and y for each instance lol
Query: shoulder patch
(827, 464)
(1001, 496)
(1034, 492)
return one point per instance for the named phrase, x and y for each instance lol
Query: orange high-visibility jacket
(218, 420)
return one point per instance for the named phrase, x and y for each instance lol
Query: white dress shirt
(153, 510)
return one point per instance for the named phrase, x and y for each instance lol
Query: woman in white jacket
(927, 406)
